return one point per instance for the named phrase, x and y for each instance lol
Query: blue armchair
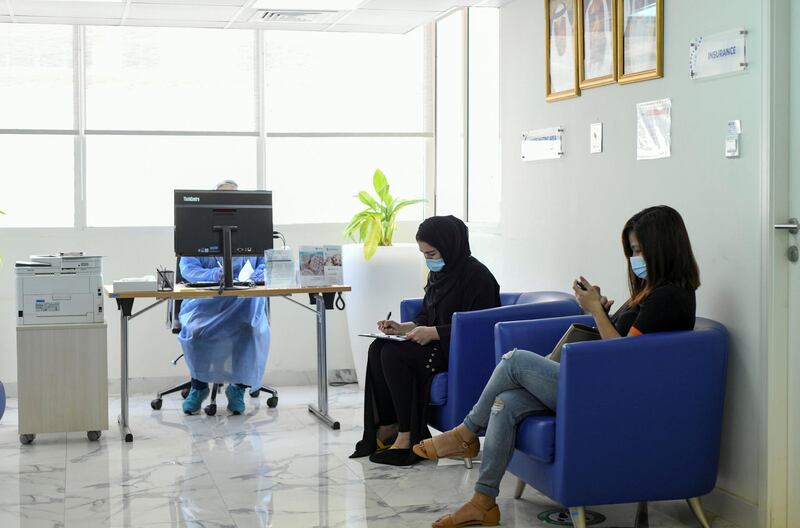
(639, 419)
(471, 362)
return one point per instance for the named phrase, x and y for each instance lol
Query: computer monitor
(223, 223)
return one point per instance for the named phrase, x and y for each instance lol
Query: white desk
(125, 305)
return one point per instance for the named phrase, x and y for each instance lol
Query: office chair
(173, 323)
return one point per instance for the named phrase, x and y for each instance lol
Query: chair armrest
(538, 336)
(640, 416)
(471, 360)
(409, 308)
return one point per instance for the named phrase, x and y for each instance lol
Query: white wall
(132, 252)
(563, 218)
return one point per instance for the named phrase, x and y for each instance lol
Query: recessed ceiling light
(308, 5)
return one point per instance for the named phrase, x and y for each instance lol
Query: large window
(468, 115)
(125, 114)
(38, 188)
(169, 79)
(36, 77)
(338, 106)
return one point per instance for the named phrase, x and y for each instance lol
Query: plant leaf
(381, 185)
(400, 204)
(373, 237)
(369, 201)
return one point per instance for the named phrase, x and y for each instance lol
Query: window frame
(80, 132)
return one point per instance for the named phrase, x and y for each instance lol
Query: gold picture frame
(561, 37)
(642, 21)
(597, 61)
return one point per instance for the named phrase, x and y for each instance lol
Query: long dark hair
(666, 249)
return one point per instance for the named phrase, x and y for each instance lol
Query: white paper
(246, 272)
(654, 129)
(596, 138)
(542, 144)
(735, 127)
(718, 54)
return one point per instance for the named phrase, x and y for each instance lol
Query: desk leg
(321, 411)
(125, 308)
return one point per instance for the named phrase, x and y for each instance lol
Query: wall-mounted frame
(597, 43)
(640, 40)
(561, 49)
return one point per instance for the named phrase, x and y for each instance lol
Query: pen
(389, 316)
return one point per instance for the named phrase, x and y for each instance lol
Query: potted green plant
(375, 225)
(382, 273)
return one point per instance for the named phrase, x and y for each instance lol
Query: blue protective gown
(226, 339)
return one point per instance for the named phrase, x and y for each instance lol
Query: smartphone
(580, 284)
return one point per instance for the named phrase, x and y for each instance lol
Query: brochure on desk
(320, 265)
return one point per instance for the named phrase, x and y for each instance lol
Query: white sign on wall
(719, 54)
(542, 144)
(654, 129)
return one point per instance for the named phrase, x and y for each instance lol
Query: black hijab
(450, 236)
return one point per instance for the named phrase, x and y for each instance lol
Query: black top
(463, 285)
(667, 308)
(476, 289)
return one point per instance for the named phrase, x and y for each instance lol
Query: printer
(59, 289)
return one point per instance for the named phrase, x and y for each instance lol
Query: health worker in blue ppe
(224, 339)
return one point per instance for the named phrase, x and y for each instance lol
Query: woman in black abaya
(399, 374)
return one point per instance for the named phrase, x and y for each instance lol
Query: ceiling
(370, 16)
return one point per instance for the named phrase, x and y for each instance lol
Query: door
(792, 243)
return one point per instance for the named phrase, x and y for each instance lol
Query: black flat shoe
(395, 457)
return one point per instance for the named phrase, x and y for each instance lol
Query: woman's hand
(390, 327)
(589, 297)
(422, 335)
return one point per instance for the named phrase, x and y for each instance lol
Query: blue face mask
(639, 267)
(435, 264)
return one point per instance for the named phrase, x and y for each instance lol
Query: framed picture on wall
(561, 49)
(640, 40)
(597, 43)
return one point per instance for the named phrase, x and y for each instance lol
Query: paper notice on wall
(718, 54)
(542, 144)
(654, 130)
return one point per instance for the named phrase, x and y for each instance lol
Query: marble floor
(267, 468)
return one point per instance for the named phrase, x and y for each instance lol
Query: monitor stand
(227, 257)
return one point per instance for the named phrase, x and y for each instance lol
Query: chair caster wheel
(26, 439)
(272, 402)
(156, 404)
(255, 394)
(184, 393)
(211, 409)
(94, 436)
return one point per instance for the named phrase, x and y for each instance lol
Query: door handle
(793, 226)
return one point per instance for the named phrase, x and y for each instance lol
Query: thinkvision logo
(191, 198)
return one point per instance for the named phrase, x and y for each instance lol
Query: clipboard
(377, 335)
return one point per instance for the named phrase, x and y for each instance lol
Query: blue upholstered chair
(639, 419)
(471, 362)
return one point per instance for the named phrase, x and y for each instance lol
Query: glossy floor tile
(268, 468)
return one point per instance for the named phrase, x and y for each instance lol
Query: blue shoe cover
(194, 400)
(235, 396)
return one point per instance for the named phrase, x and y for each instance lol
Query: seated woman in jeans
(662, 278)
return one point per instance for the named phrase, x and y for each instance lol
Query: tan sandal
(469, 450)
(491, 517)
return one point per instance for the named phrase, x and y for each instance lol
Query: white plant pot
(394, 273)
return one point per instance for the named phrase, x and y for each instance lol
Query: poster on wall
(654, 129)
(640, 40)
(597, 43)
(562, 50)
(542, 144)
(718, 54)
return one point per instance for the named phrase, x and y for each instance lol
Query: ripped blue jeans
(522, 384)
